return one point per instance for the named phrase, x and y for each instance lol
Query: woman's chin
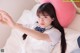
(42, 26)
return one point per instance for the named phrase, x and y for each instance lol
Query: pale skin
(43, 21)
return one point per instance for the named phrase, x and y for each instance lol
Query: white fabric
(54, 34)
(71, 39)
(14, 43)
(34, 9)
(76, 51)
(27, 18)
(15, 40)
(39, 46)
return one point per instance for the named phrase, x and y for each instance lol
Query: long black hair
(50, 10)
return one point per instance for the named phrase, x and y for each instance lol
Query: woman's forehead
(43, 13)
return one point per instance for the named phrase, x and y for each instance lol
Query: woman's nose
(42, 19)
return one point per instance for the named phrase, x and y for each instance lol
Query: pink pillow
(65, 11)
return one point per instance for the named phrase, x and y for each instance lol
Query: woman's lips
(41, 23)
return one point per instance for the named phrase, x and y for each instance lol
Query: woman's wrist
(16, 25)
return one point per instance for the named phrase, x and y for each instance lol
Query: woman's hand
(5, 18)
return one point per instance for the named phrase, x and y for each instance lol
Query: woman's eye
(45, 16)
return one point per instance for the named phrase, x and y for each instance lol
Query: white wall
(14, 8)
(76, 23)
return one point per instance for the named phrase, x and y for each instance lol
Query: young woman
(45, 34)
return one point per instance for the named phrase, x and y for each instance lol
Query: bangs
(43, 12)
(40, 12)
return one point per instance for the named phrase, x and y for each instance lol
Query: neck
(47, 27)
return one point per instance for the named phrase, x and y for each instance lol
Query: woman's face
(44, 20)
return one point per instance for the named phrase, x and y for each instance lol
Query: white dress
(33, 45)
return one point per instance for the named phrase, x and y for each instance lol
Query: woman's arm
(6, 18)
(33, 33)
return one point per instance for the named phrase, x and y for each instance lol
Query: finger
(5, 15)
(3, 12)
(4, 19)
(2, 22)
(0, 17)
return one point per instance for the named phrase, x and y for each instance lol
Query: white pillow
(15, 43)
(71, 39)
(27, 18)
(34, 9)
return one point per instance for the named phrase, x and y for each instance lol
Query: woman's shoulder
(54, 35)
(53, 30)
